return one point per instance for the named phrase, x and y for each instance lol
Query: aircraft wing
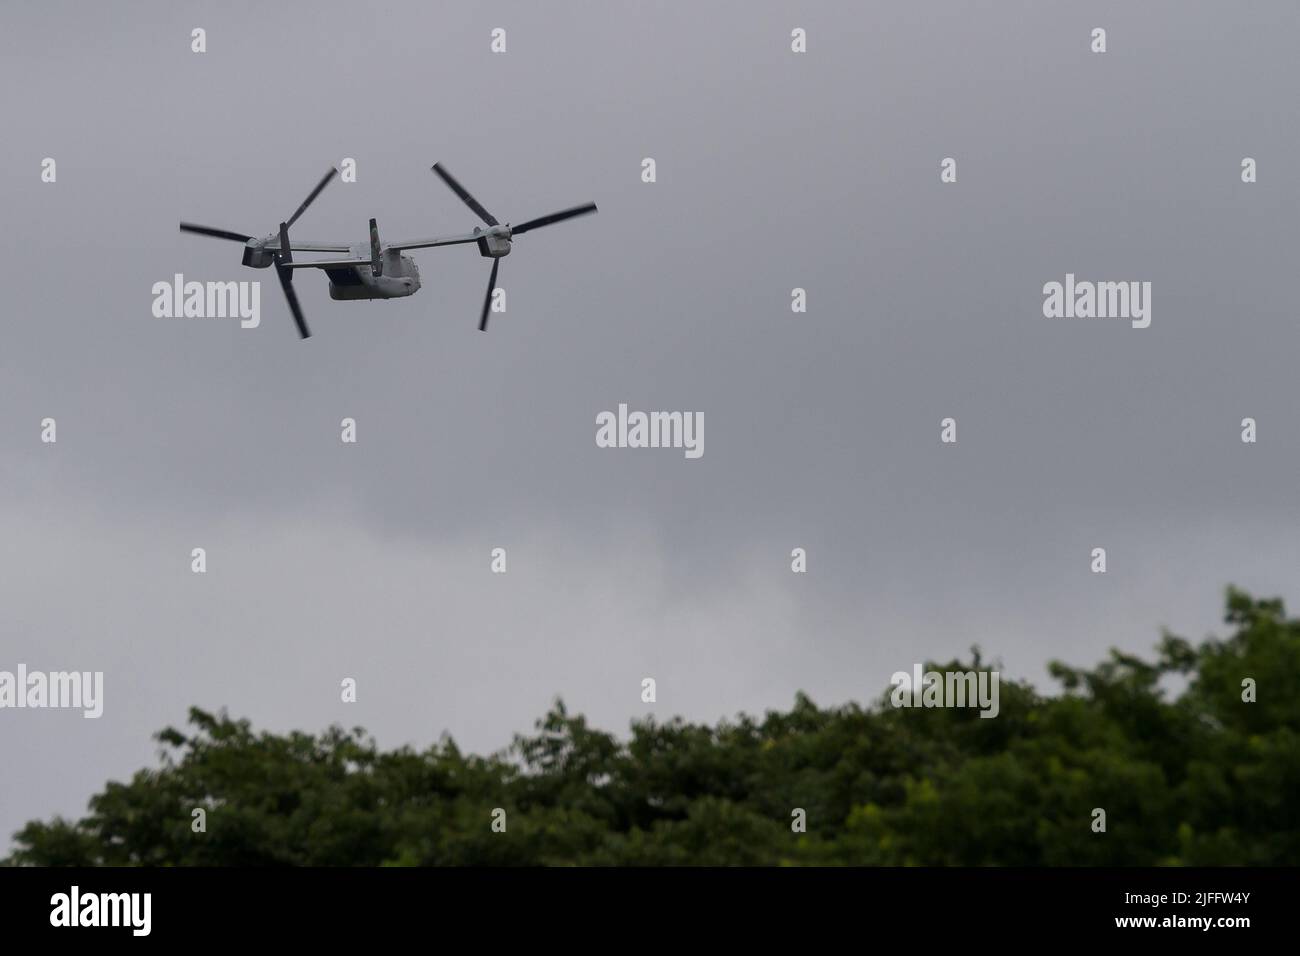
(328, 264)
(300, 245)
(429, 243)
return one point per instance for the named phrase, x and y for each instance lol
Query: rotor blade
(465, 197)
(314, 193)
(487, 302)
(560, 216)
(376, 263)
(215, 233)
(286, 250)
(286, 283)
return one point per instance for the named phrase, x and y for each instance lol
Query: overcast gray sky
(775, 170)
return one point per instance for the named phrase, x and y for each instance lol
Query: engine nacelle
(493, 247)
(257, 256)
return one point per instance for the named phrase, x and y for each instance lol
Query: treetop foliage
(1196, 777)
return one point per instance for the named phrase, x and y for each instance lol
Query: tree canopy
(1187, 771)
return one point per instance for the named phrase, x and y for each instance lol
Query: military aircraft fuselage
(400, 275)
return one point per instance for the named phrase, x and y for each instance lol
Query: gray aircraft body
(375, 269)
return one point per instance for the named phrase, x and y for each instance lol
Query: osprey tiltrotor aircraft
(377, 270)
